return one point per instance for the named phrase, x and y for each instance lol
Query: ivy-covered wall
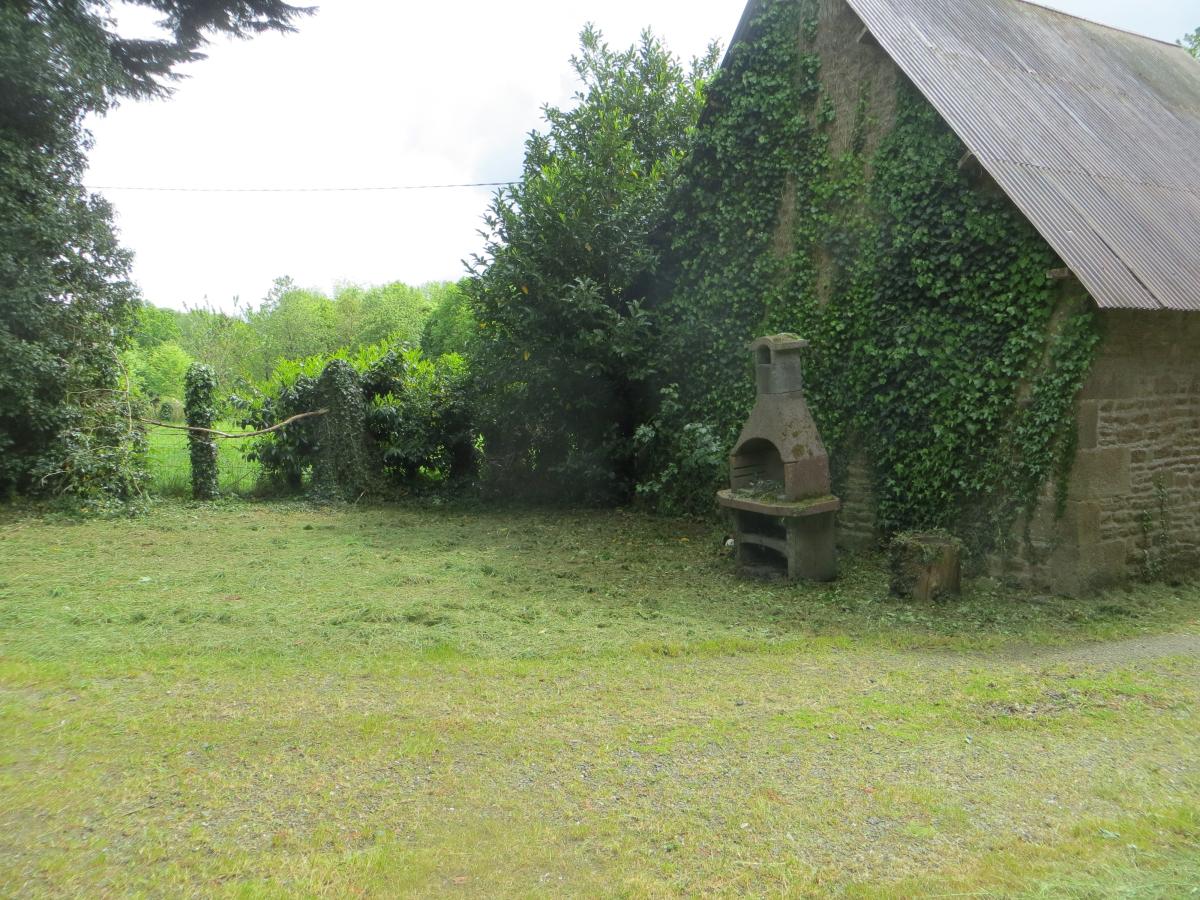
(958, 381)
(826, 197)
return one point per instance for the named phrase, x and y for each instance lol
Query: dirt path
(1113, 653)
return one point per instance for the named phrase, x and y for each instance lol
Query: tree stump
(926, 565)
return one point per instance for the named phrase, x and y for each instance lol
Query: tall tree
(66, 301)
(563, 342)
(226, 342)
(156, 325)
(451, 326)
(294, 322)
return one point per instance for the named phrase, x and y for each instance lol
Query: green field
(279, 700)
(170, 469)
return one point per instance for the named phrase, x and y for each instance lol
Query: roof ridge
(1043, 4)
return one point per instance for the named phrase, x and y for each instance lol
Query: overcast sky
(373, 93)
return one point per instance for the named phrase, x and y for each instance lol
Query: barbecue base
(775, 537)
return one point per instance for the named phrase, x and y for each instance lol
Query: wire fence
(170, 464)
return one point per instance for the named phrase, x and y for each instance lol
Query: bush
(97, 463)
(419, 418)
(284, 455)
(170, 410)
(697, 461)
(415, 431)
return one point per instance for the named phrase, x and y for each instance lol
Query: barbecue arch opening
(757, 463)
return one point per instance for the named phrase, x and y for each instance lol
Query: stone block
(1166, 384)
(1080, 524)
(812, 552)
(1115, 379)
(1103, 564)
(1088, 423)
(1100, 473)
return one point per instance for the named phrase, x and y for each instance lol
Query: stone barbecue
(779, 494)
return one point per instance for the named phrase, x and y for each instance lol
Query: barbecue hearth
(779, 495)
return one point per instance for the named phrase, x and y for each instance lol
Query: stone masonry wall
(856, 521)
(1133, 499)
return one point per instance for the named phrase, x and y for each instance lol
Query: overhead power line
(295, 190)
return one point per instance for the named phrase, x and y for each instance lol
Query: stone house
(1094, 135)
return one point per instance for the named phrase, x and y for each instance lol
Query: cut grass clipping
(261, 701)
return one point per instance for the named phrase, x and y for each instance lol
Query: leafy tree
(451, 325)
(226, 342)
(349, 314)
(392, 311)
(293, 322)
(564, 345)
(66, 301)
(64, 286)
(247, 345)
(154, 325)
(155, 362)
(1191, 42)
(166, 366)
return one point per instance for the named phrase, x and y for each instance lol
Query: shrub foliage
(397, 422)
(564, 344)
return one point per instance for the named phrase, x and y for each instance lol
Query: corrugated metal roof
(1093, 132)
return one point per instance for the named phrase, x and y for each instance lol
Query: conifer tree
(66, 301)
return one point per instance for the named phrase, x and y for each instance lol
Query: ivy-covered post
(200, 386)
(340, 465)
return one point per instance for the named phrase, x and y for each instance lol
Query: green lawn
(277, 700)
(171, 470)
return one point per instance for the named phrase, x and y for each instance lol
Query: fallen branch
(243, 434)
